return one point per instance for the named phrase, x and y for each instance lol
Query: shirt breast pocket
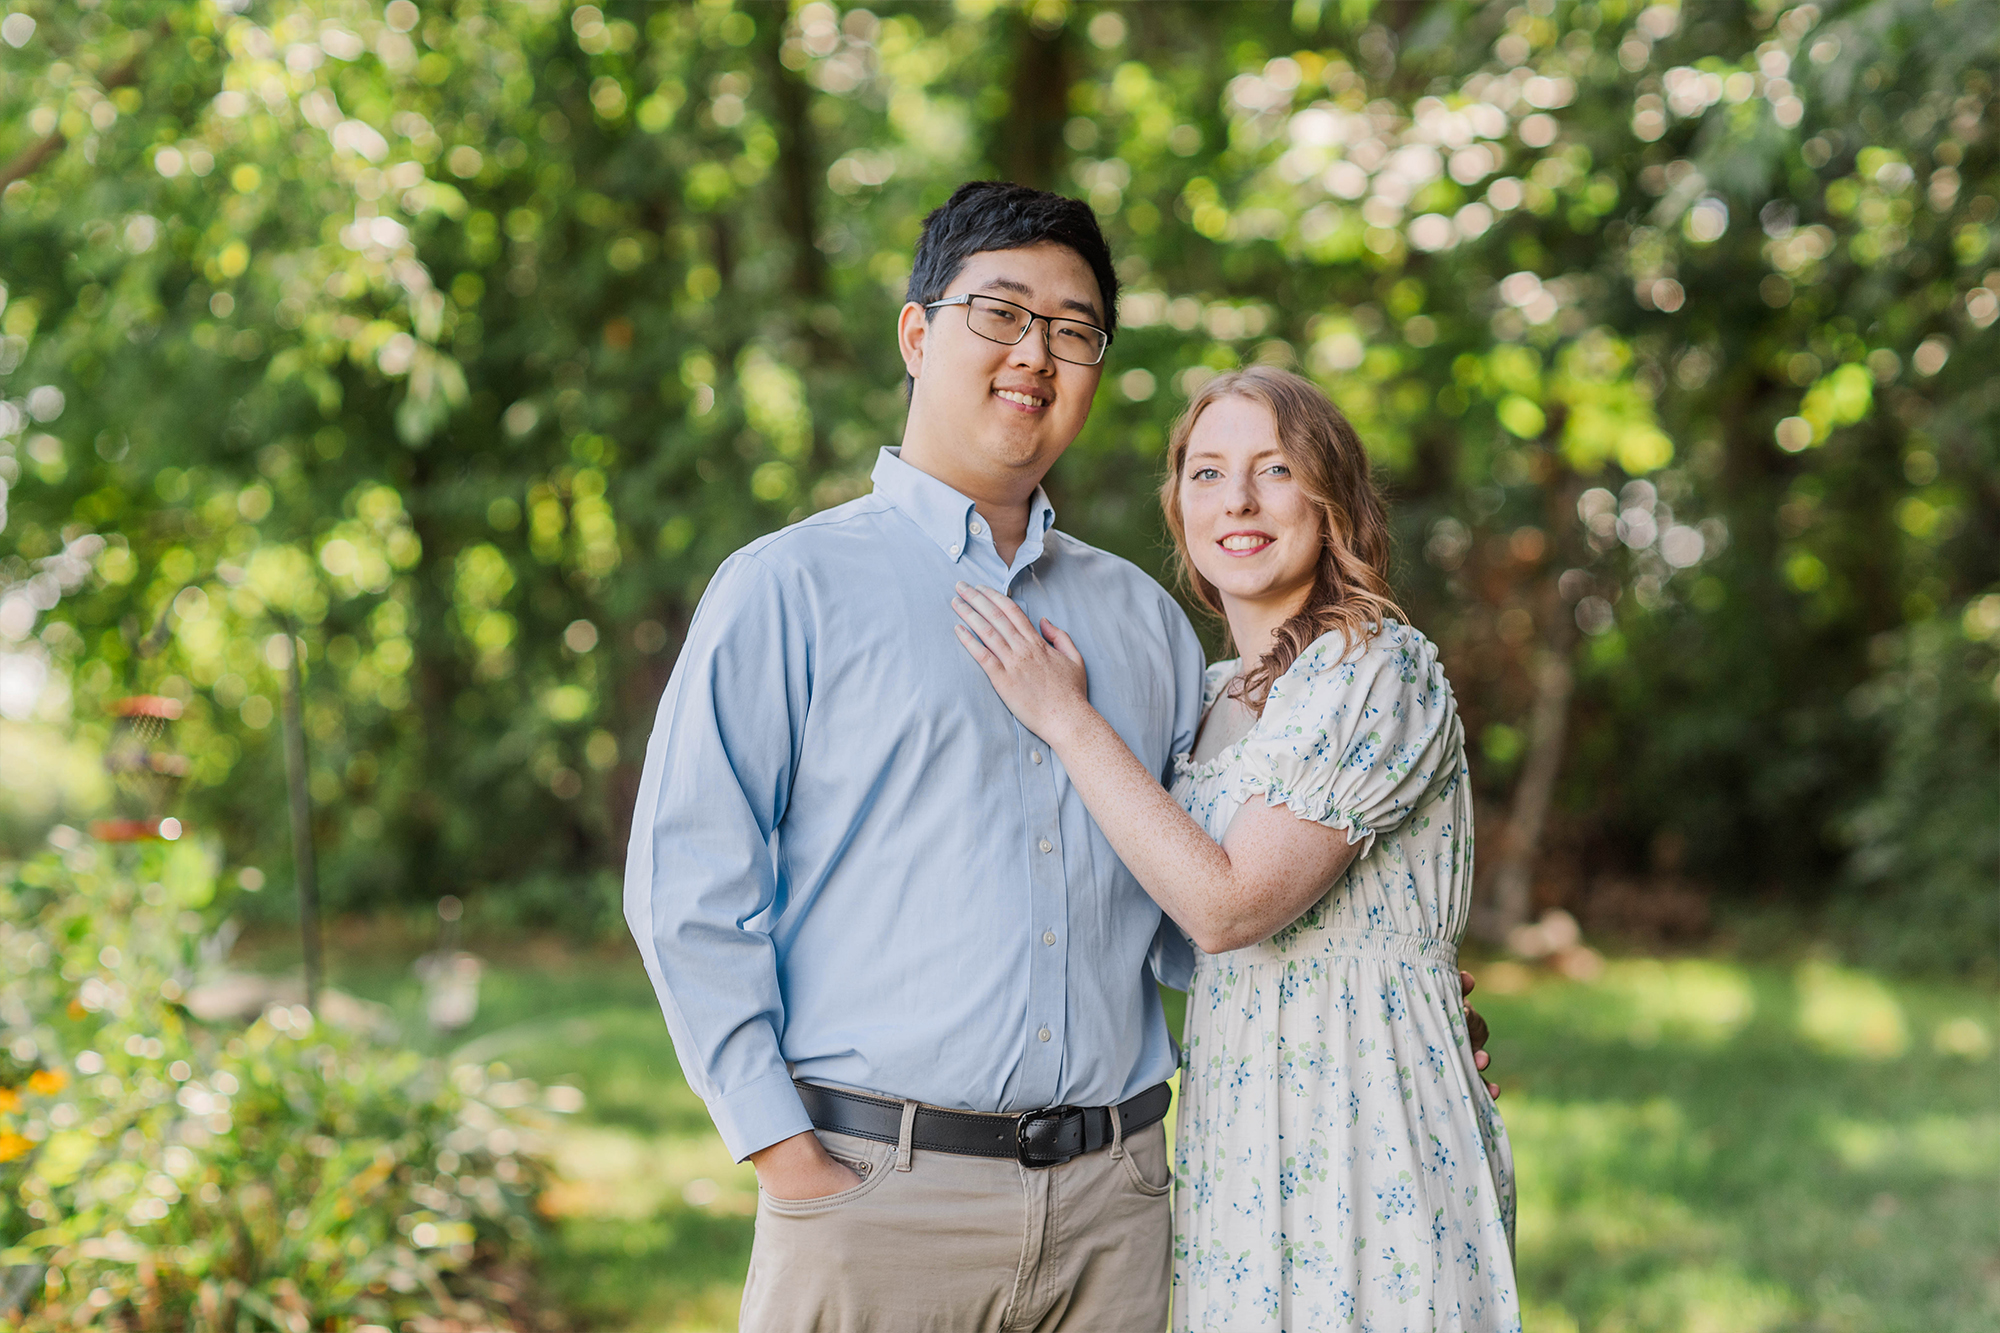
(1139, 710)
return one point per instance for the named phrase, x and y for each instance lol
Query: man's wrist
(787, 1154)
(799, 1168)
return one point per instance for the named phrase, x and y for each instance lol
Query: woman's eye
(1279, 470)
(1206, 474)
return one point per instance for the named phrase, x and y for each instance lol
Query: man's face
(984, 414)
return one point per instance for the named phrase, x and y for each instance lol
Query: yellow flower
(48, 1082)
(12, 1145)
(10, 1099)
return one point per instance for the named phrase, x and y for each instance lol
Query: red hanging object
(148, 772)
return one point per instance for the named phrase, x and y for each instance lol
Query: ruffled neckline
(1218, 674)
(1185, 766)
(1213, 680)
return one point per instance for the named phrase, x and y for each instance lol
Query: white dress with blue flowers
(1339, 1164)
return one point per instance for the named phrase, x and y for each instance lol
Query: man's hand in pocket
(797, 1169)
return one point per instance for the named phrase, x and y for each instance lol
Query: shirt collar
(945, 515)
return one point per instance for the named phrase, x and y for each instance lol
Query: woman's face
(1251, 528)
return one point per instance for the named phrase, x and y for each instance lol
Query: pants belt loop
(903, 1139)
(1117, 1132)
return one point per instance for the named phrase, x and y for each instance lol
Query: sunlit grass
(1707, 1146)
(1850, 1013)
(1703, 1147)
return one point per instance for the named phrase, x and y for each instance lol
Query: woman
(1339, 1160)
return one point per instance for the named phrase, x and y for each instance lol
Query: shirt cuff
(1172, 956)
(759, 1114)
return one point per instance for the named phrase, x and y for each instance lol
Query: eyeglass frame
(1048, 323)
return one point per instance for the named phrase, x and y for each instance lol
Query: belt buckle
(1055, 1157)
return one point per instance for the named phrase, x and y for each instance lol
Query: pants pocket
(1146, 1164)
(863, 1157)
(860, 1166)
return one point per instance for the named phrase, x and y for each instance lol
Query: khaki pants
(965, 1244)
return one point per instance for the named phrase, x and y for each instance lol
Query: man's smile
(1027, 399)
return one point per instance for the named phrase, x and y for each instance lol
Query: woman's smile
(1246, 543)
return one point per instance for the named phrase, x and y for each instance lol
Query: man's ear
(912, 327)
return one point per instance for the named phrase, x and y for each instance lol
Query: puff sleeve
(1355, 740)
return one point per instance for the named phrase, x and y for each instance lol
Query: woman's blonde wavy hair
(1350, 590)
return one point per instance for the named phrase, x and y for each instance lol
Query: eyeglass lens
(1004, 322)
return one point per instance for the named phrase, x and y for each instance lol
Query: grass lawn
(1703, 1146)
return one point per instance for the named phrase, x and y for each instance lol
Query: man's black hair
(999, 215)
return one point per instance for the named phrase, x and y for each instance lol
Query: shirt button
(1035, 755)
(1048, 937)
(1048, 846)
(1043, 1034)
(976, 528)
(954, 550)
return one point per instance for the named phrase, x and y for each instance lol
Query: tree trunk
(638, 702)
(798, 179)
(1031, 142)
(797, 173)
(427, 865)
(1512, 898)
(305, 865)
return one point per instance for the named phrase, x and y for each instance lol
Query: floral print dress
(1338, 1162)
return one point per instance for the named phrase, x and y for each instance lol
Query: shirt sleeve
(699, 873)
(1354, 739)
(1172, 955)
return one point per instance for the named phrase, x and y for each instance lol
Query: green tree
(471, 336)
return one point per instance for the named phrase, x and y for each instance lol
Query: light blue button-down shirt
(850, 863)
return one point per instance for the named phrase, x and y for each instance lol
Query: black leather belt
(1048, 1137)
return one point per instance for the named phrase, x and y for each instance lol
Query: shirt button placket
(1049, 887)
(1047, 847)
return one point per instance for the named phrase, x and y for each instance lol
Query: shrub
(156, 1173)
(1926, 846)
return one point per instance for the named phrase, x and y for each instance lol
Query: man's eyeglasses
(1000, 321)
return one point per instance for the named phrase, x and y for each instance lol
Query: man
(883, 929)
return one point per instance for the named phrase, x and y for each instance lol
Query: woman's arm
(1270, 866)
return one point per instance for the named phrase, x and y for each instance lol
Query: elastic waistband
(1388, 945)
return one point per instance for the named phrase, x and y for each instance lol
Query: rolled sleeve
(699, 874)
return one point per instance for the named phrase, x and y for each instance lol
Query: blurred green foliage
(159, 1173)
(648, 1223)
(468, 337)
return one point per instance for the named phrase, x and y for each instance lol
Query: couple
(904, 883)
